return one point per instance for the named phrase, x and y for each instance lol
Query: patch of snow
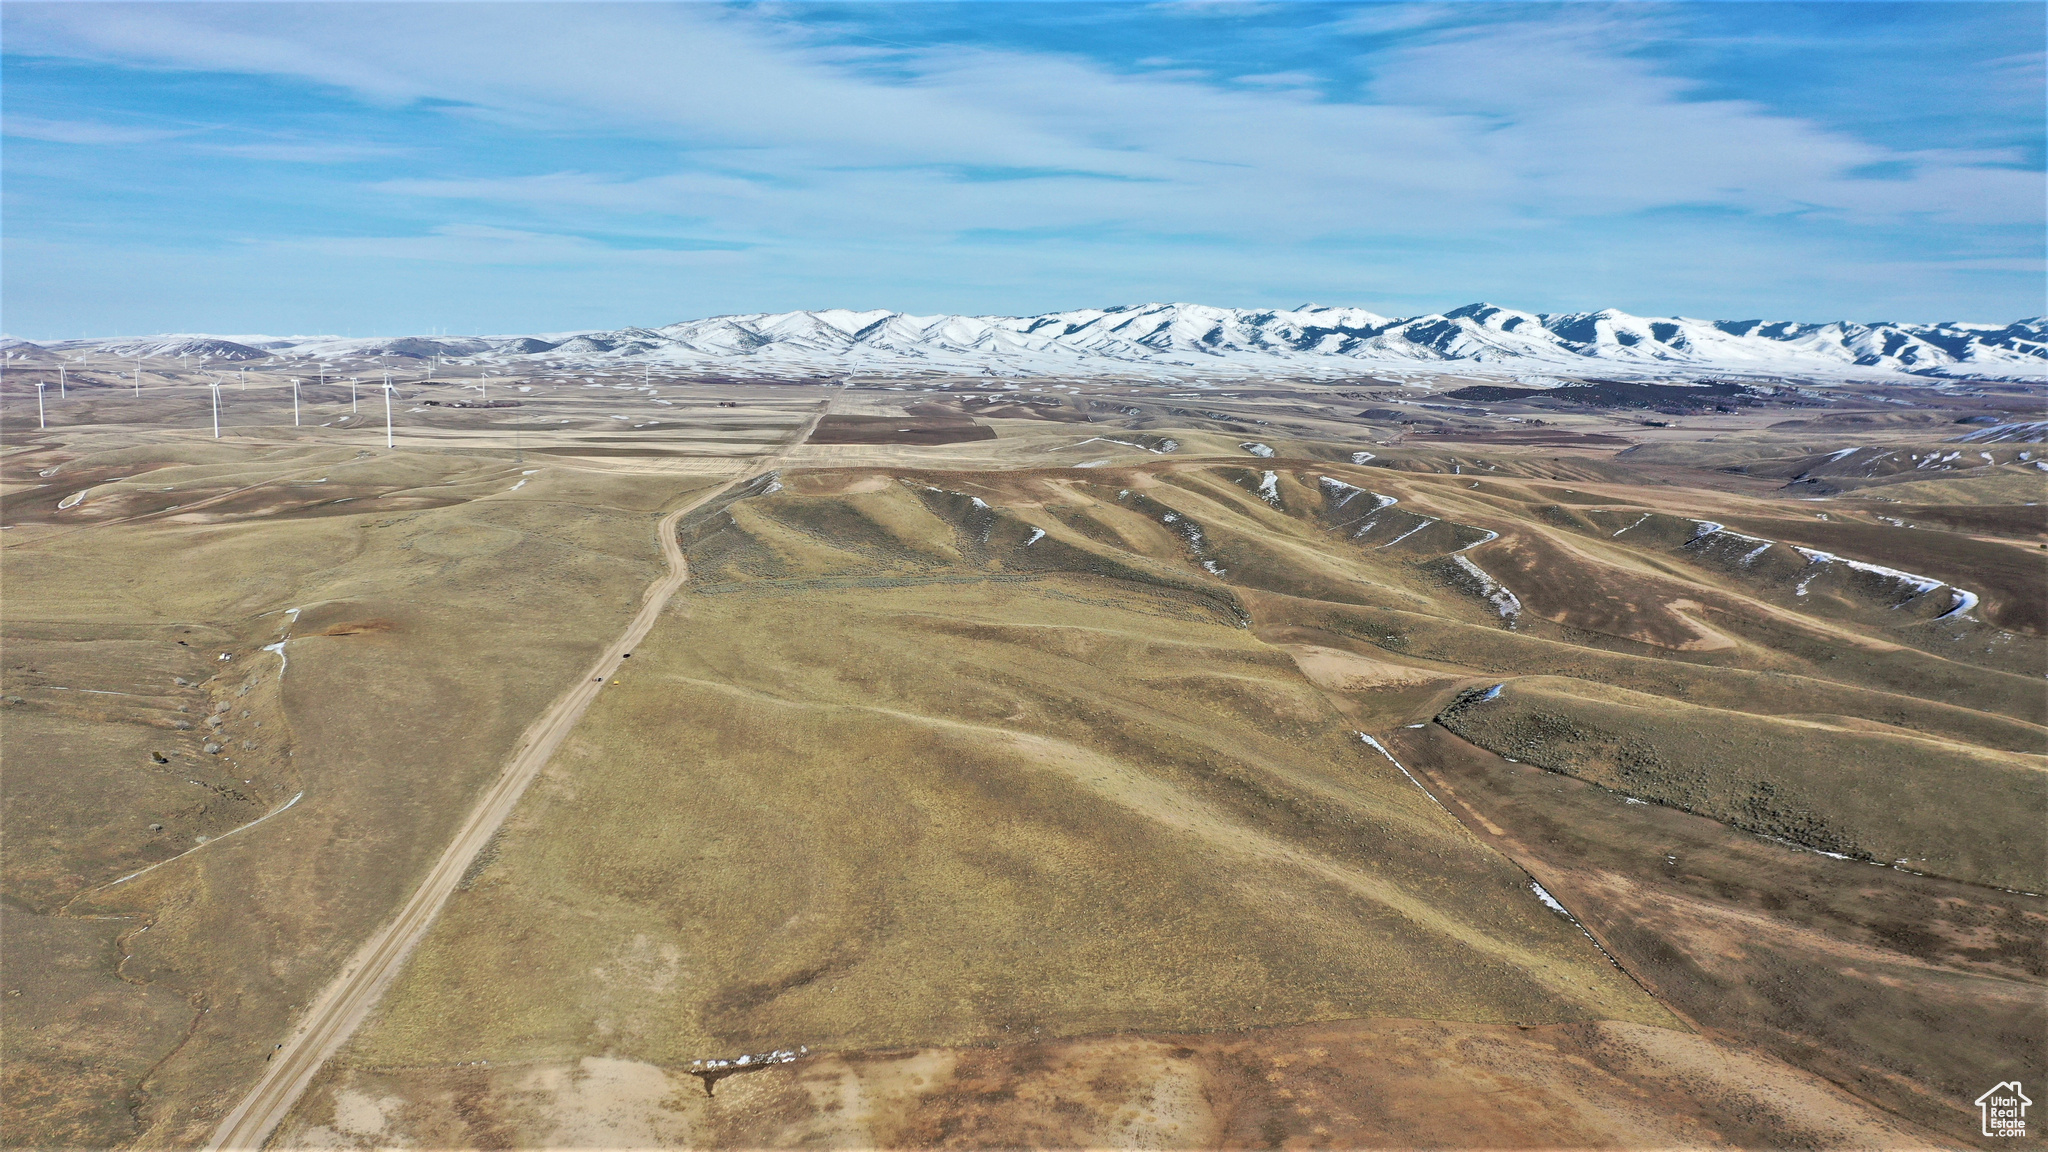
(1269, 488)
(1037, 534)
(1351, 492)
(1964, 601)
(1257, 449)
(2019, 433)
(1639, 520)
(1489, 538)
(1920, 585)
(1550, 901)
(1378, 747)
(1382, 750)
(1503, 601)
(1426, 522)
(87, 691)
(1164, 445)
(751, 1060)
(1362, 457)
(203, 841)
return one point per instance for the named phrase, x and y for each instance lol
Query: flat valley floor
(1093, 763)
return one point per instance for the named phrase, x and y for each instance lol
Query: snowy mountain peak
(1181, 340)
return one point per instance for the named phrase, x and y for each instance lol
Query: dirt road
(342, 1007)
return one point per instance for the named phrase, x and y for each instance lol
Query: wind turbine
(351, 395)
(216, 408)
(60, 381)
(295, 401)
(39, 405)
(387, 411)
(138, 376)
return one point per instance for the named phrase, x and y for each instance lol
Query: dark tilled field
(899, 430)
(1000, 409)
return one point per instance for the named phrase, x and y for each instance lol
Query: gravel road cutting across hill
(342, 1006)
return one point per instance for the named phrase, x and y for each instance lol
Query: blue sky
(475, 167)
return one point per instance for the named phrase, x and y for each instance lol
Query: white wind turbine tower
(60, 380)
(387, 411)
(216, 407)
(295, 401)
(39, 405)
(351, 395)
(138, 376)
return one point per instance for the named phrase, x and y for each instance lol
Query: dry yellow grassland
(440, 606)
(1015, 781)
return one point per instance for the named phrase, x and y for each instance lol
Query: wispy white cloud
(475, 244)
(1381, 19)
(1280, 79)
(1214, 9)
(1525, 147)
(84, 132)
(1483, 126)
(306, 151)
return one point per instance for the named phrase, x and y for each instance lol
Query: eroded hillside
(969, 761)
(1058, 763)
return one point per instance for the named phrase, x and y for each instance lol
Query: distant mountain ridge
(1176, 340)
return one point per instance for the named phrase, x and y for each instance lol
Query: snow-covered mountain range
(1189, 340)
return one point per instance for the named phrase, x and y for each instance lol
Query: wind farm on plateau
(1157, 727)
